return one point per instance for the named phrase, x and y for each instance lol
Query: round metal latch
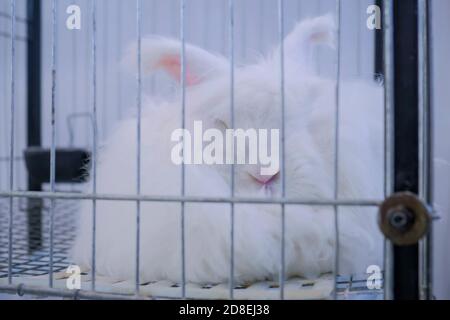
(404, 218)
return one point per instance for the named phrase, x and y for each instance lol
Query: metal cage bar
(425, 143)
(183, 126)
(336, 144)
(95, 136)
(408, 161)
(379, 46)
(232, 170)
(18, 19)
(283, 151)
(11, 147)
(53, 136)
(385, 61)
(34, 96)
(138, 133)
(25, 20)
(191, 199)
(407, 100)
(405, 262)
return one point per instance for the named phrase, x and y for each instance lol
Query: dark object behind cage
(70, 163)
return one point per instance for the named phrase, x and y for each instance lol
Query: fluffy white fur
(310, 116)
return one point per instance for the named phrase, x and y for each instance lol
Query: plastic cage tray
(31, 269)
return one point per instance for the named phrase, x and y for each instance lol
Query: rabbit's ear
(299, 44)
(165, 54)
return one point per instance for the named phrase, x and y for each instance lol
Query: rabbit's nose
(264, 179)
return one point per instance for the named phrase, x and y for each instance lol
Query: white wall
(441, 99)
(5, 92)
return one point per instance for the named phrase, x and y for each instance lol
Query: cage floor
(30, 267)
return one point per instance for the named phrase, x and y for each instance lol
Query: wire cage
(42, 188)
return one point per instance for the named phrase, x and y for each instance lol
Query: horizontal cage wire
(41, 220)
(26, 264)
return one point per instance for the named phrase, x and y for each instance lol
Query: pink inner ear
(172, 65)
(319, 37)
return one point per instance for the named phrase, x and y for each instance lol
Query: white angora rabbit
(309, 172)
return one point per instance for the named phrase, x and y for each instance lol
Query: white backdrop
(441, 99)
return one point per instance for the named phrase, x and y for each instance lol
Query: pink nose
(264, 179)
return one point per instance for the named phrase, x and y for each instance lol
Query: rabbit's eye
(221, 124)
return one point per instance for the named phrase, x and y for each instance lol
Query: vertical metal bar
(336, 142)
(388, 283)
(53, 138)
(104, 14)
(232, 115)
(379, 46)
(386, 59)
(424, 102)
(283, 151)
(406, 157)
(34, 74)
(138, 155)
(11, 142)
(74, 77)
(94, 142)
(361, 24)
(34, 71)
(425, 145)
(87, 52)
(317, 61)
(154, 24)
(183, 121)
(261, 13)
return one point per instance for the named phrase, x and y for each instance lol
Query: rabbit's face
(258, 103)
(256, 107)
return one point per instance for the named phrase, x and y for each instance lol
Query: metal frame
(379, 48)
(409, 119)
(426, 143)
(34, 101)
